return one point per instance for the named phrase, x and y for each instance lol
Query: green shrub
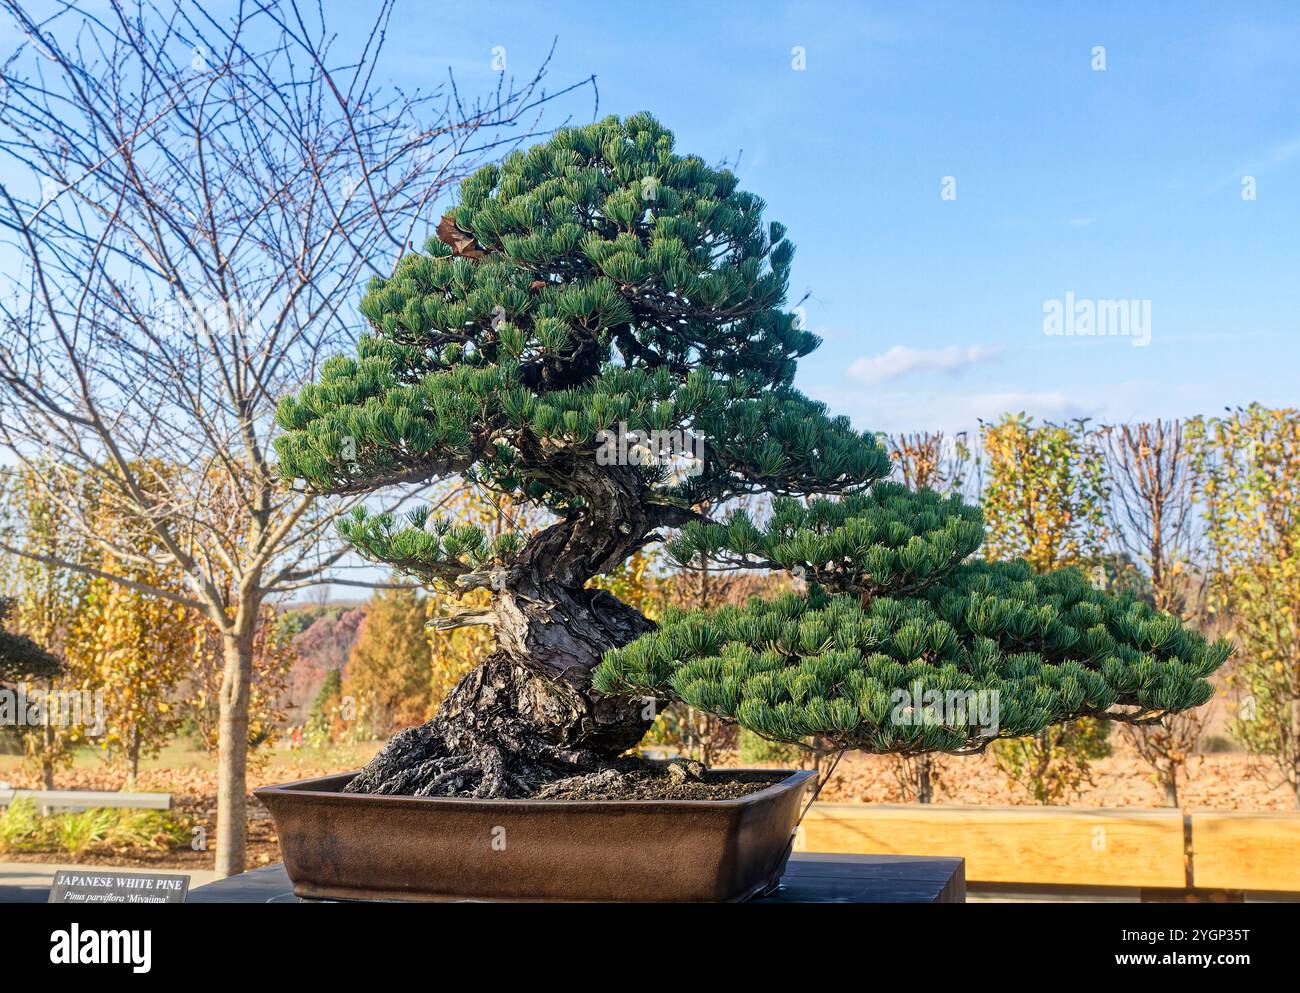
(1054, 765)
(154, 829)
(20, 826)
(22, 829)
(757, 750)
(1218, 744)
(77, 833)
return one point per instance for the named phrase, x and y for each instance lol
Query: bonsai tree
(587, 299)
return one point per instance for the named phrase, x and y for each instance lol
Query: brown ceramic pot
(354, 846)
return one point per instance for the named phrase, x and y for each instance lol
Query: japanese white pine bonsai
(598, 285)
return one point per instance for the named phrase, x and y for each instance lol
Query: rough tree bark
(527, 715)
(516, 722)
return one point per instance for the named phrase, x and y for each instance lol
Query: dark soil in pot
(644, 780)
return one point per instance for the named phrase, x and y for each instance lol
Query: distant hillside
(324, 640)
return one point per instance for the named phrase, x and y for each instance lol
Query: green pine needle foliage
(602, 279)
(1020, 650)
(620, 282)
(889, 540)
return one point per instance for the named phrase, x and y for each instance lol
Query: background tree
(198, 199)
(1251, 461)
(1151, 468)
(931, 460)
(1045, 498)
(1151, 472)
(1044, 493)
(388, 674)
(47, 597)
(927, 460)
(602, 283)
(272, 658)
(136, 646)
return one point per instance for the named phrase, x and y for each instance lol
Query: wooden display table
(810, 878)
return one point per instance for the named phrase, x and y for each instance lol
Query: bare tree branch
(196, 201)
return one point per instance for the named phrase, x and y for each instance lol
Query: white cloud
(897, 410)
(902, 361)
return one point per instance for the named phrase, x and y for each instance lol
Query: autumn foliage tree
(1044, 494)
(1045, 498)
(1152, 472)
(47, 597)
(1251, 461)
(135, 646)
(601, 283)
(388, 673)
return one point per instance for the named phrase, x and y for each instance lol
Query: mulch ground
(1225, 781)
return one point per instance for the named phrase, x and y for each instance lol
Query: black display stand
(810, 878)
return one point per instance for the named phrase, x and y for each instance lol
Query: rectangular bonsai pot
(355, 846)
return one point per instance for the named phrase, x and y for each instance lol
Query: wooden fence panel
(1063, 846)
(1246, 851)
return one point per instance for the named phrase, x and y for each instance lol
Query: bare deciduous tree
(1152, 475)
(931, 459)
(1153, 486)
(192, 205)
(927, 460)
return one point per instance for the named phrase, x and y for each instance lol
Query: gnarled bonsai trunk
(527, 715)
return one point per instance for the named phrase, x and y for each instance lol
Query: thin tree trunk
(1171, 786)
(47, 758)
(924, 780)
(232, 753)
(134, 772)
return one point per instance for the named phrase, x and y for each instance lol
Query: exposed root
(415, 763)
(527, 715)
(480, 745)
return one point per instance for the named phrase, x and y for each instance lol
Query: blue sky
(1124, 183)
(1120, 184)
